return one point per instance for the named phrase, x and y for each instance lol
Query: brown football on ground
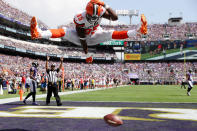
(113, 120)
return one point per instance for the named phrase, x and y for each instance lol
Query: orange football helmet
(93, 12)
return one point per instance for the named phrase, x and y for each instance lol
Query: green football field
(142, 93)
(148, 56)
(6, 95)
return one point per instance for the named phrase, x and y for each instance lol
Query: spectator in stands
(13, 87)
(23, 82)
(4, 84)
(73, 83)
(1, 81)
(81, 83)
(183, 83)
(43, 82)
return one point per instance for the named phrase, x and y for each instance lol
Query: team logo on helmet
(93, 12)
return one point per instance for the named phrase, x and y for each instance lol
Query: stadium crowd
(157, 31)
(161, 72)
(13, 68)
(52, 49)
(18, 15)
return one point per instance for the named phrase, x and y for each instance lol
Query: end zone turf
(88, 116)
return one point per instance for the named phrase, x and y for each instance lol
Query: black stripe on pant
(190, 87)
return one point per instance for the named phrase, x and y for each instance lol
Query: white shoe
(188, 93)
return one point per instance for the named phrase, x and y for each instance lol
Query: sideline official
(52, 82)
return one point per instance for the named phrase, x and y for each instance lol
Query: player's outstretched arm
(82, 37)
(110, 14)
(47, 63)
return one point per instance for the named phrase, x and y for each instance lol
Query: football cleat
(24, 101)
(143, 29)
(59, 104)
(34, 29)
(188, 93)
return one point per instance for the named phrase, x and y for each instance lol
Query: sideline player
(190, 82)
(183, 83)
(88, 31)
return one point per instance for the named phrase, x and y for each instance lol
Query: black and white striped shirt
(52, 75)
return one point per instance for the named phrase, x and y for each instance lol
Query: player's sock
(131, 33)
(52, 33)
(57, 33)
(120, 35)
(124, 34)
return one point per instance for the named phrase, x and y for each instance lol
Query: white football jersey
(90, 28)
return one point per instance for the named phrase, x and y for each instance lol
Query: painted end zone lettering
(99, 112)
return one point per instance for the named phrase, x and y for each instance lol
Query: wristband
(82, 38)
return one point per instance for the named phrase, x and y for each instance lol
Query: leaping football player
(88, 31)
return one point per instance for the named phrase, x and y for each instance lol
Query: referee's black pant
(53, 88)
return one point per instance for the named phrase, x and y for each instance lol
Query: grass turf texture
(6, 95)
(141, 93)
(148, 56)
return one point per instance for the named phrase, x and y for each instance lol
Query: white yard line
(8, 100)
(131, 102)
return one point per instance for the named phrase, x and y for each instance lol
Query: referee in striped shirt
(52, 82)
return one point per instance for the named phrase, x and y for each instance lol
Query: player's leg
(49, 93)
(30, 94)
(190, 86)
(103, 35)
(130, 33)
(34, 98)
(184, 86)
(34, 93)
(181, 85)
(36, 32)
(55, 92)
